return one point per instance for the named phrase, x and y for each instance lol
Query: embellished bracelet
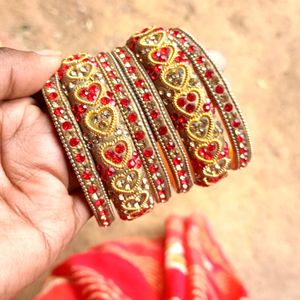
(107, 136)
(187, 102)
(138, 127)
(79, 155)
(220, 94)
(158, 118)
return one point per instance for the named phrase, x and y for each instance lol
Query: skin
(41, 205)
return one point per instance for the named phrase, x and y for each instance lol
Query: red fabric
(186, 264)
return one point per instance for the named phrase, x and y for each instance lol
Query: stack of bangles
(142, 116)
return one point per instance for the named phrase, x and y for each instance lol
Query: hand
(41, 206)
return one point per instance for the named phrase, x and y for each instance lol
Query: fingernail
(48, 52)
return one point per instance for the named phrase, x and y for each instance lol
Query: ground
(255, 213)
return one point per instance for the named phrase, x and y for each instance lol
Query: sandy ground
(255, 213)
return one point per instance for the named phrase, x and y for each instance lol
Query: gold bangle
(222, 97)
(187, 103)
(138, 127)
(79, 155)
(158, 118)
(107, 135)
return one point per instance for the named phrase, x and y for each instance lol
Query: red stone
(219, 89)
(81, 109)
(147, 96)
(157, 69)
(162, 130)
(66, 125)
(49, 85)
(159, 181)
(236, 123)
(228, 107)
(148, 152)
(211, 147)
(110, 172)
(126, 59)
(80, 158)
(131, 69)
(209, 74)
(52, 96)
(182, 40)
(200, 60)
(131, 163)
(58, 111)
(105, 100)
(170, 146)
(139, 135)
(243, 150)
(132, 117)
(86, 175)
(181, 172)
(111, 74)
(138, 164)
(99, 202)
(109, 154)
(105, 64)
(117, 159)
(74, 141)
(92, 189)
(206, 107)
(190, 108)
(153, 169)
(120, 148)
(181, 101)
(240, 138)
(118, 88)
(191, 48)
(109, 94)
(154, 114)
(125, 102)
(176, 161)
(139, 83)
(191, 97)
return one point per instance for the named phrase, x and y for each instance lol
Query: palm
(34, 179)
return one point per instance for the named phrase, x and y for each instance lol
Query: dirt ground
(255, 213)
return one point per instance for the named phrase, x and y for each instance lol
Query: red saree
(186, 263)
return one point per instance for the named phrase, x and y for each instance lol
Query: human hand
(41, 207)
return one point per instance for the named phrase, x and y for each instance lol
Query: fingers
(23, 73)
(81, 209)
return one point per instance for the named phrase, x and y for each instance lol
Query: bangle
(220, 94)
(187, 103)
(107, 136)
(77, 152)
(138, 127)
(158, 118)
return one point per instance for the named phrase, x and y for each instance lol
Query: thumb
(23, 73)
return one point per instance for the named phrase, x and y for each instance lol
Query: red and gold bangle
(158, 118)
(220, 94)
(138, 127)
(79, 155)
(107, 136)
(187, 103)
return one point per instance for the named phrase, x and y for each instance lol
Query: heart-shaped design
(116, 153)
(81, 71)
(75, 58)
(126, 182)
(163, 55)
(144, 31)
(189, 101)
(217, 169)
(89, 93)
(153, 39)
(209, 152)
(101, 121)
(137, 202)
(176, 76)
(201, 127)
